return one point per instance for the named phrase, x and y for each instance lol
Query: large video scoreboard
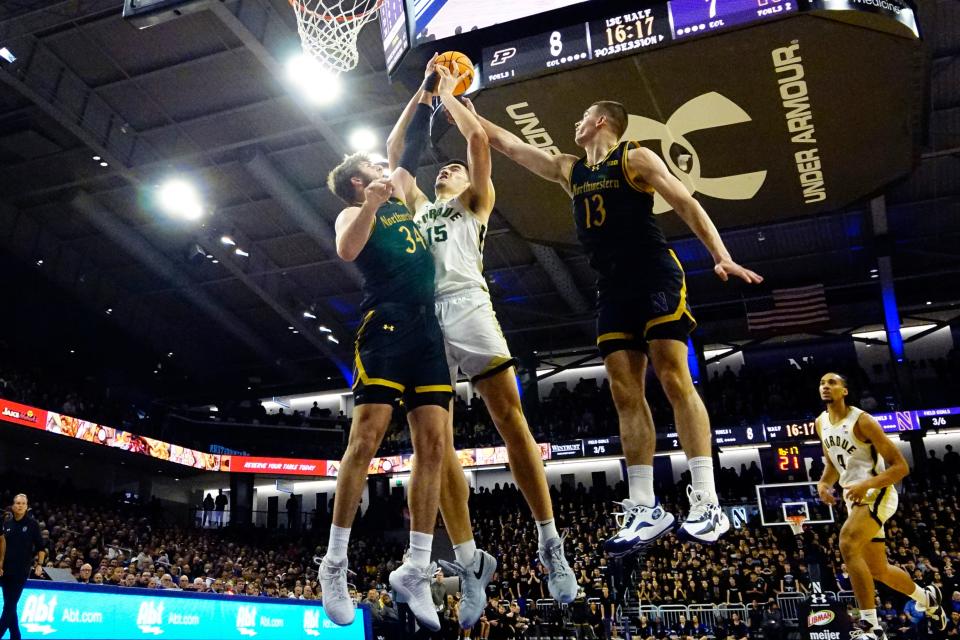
(581, 31)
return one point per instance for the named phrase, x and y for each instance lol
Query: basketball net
(796, 523)
(329, 29)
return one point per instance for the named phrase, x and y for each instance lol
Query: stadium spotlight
(180, 199)
(333, 339)
(227, 240)
(363, 139)
(7, 55)
(323, 329)
(317, 84)
(309, 314)
(240, 252)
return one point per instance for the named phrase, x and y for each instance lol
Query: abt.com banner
(49, 610)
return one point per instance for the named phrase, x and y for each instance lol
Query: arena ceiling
(206, 96)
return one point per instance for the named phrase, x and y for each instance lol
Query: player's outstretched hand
(468, 103)
(379, 191)
(726, 268)
(826, 494)
(448, 81)
(431, 66)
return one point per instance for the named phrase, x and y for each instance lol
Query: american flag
(792, 308)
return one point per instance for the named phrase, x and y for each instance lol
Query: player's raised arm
(869, 430)
(354, 224)
(651, 169)
(547, 166)
(408, 138)
(478, 145)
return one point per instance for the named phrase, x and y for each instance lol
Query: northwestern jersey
(614, 217)
(395, 263)
(854, 459)
(455, 236)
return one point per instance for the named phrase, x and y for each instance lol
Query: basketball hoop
(329, 29)
(796, 523)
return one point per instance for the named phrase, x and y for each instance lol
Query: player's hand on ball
(726, 268)
(379, 191)
(857, 492)
(826, 494)
(431, 66)
(448, 81)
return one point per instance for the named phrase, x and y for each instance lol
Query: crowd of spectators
(743, 397)
(104, 541)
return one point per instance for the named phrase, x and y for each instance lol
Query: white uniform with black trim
(857, 461)
(471, 332)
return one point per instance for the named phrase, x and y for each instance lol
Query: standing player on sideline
(642, 307)
(858, 452)
(455, 225)
(398, 354)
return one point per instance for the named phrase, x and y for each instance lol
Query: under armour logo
(706, 111)
(388, 327)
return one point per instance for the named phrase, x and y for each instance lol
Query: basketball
(458, 64)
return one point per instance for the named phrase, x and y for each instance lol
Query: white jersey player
(868, 465)
(454, 226)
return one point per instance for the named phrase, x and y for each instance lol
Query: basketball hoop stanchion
(329, 28)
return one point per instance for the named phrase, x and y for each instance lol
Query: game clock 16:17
(628, 31)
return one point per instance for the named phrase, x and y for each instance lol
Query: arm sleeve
(415, 139)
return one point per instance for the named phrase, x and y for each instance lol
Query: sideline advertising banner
(49, 610)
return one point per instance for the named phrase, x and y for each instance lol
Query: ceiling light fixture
(227, 240)
(240, 252)
(318, 85)
(363, 139)
(180, 199)
(309, 314)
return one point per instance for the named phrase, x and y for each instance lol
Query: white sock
(547, 530)
(339, 539)
(421, 544)
(640, 477)
(870, 615)
(465, 552)
(701, 476)
(920, 596)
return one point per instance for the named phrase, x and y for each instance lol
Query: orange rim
(342, 18)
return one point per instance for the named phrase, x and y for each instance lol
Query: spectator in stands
(647, 629)
(737, 629)
(220, 506)
(773, 621)
(208, 505)
(953, 625)
(695, 630)
(905, 629)
(86, 574)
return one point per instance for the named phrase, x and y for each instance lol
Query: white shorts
(471, 335)
(882, 504)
